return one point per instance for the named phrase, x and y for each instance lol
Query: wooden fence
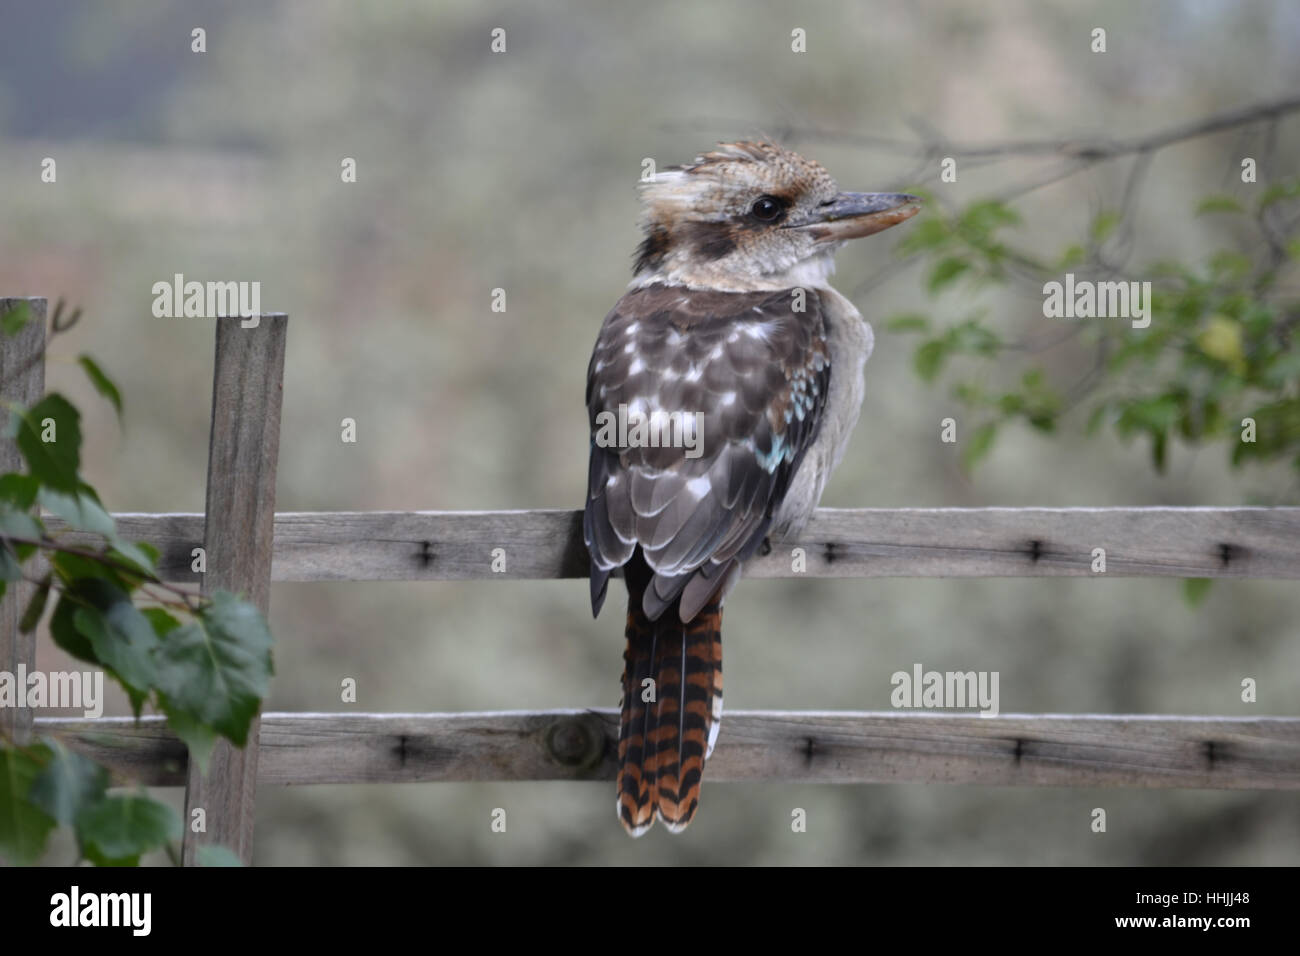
(248, 546)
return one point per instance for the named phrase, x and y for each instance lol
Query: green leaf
(929, 358)
(1221, 340)
(1282, 370)
(216, 855)
(24, 827)
(19, 490)
(80, 511)
(161, 622)
(141, 554)
(219, 670)
(103, 384)
(121, 636)
(1218, 203)
(10, 569)
(116, 830)
(13, 525)
(945, 272)
(1195, 590)
(11, 320)
(1159, 450)
(1278, 192)
(1072, 256)
(19, 524)
(1103, 226)
(973, 338)
(65, 634)
(196, 735)
(54, 462)
(1230, 266)
(73, 567)
(981, 440)
(68, 784)
(930, 233)
(36, 607)
(910, 322)
(1148, 414)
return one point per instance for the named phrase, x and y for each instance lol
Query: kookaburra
(735, 373)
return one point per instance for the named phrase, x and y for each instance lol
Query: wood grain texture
(22, 380)
(248, 384)
(839, 543)
(1059, 750)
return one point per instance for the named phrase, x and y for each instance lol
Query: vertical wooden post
(247, 386)
(22, 380)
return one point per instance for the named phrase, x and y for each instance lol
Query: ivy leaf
(55, 462)
(103, 384)
(218, 669)
(69, 783)
(24, 827)
(116, 830)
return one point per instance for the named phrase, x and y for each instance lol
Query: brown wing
(754, 372)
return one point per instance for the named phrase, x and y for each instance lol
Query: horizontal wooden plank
(869, 542)
(893, 747)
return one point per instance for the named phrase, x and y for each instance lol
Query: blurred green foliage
(1219, 363)
(204, 662)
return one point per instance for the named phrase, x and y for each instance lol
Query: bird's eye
(766, 209)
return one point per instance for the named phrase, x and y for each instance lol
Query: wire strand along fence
(248, 546)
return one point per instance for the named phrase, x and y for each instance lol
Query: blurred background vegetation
(517, 170)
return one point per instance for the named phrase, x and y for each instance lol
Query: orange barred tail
(668, 727)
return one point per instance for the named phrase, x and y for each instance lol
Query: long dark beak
(852, 215)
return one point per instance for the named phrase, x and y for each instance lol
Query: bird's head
(752, 215)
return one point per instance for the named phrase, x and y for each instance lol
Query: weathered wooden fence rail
(838, 543)
(839, 747)
(248, 546)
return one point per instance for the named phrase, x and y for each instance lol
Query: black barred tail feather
(668, 727)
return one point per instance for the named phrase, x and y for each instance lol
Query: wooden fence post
(22, 380)
(247, 387)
